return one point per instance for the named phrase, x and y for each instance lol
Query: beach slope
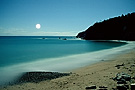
(99, 74)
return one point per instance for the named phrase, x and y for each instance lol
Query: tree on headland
(117, 28)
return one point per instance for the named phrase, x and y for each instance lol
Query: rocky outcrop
(117, 28)
(36, 77)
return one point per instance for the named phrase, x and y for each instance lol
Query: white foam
(61, 64)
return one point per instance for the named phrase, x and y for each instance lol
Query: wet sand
(99, 74)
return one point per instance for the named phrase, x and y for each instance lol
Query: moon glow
(38, 26)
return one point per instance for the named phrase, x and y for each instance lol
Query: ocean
(51, 53)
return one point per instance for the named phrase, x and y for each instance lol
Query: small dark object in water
(64, 39)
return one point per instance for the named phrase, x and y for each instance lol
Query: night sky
(57, 17)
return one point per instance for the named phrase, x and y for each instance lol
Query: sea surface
(20, 49)
(50, 53)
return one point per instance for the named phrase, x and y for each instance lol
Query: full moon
(38, 26)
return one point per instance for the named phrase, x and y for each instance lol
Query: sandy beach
(98, 74)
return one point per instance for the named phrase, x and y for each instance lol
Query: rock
(91, 87)
(122, 81)
(127, 86)
(102, 88)
(122, 76)
(121, 87)
(133, 77)
(133, 65)
(118, 66)
(133, 86)
(114, 88)
(36, 76)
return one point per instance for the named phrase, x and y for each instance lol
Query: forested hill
(117, 28)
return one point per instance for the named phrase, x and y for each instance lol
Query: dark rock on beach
(122, 77)
(91, 87)
(36, 77)
(121, 87)
(118, 66)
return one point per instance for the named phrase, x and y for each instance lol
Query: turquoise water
(19, 49)
(50, 53)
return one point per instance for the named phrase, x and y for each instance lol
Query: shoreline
(99, 74)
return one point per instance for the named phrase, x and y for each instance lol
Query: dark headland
(117, 28)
